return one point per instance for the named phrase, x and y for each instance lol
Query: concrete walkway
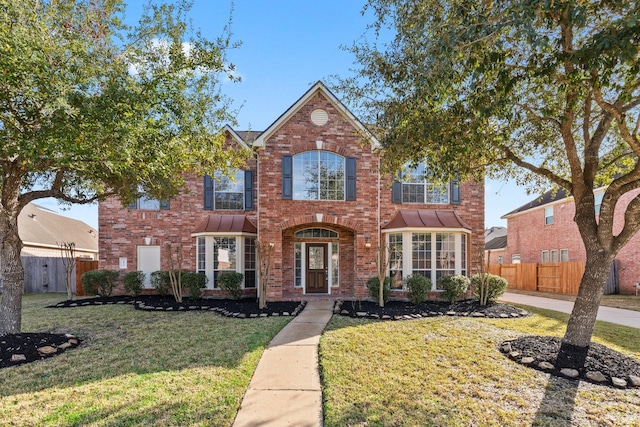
(606, 314)
(285, 388)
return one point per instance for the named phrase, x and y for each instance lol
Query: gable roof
(497, 243)
(546, 198)
(40, 226)
(241, 138)
(319, 87)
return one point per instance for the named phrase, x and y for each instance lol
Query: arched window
(316, 233)
(318, 175)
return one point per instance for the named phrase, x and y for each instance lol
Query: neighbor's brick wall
(529, 236)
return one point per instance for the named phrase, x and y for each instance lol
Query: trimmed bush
(194, 282)
(488, 287)
(160, 282)
(99, 282)
(373, 285)
(230, 282)
(454, 287)
(133, 281)
(417, 288)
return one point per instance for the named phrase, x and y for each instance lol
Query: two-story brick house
(314, 192)
(543, 230)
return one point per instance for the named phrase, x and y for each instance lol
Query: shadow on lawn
(557, 405)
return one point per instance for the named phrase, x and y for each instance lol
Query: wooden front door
(317, 280)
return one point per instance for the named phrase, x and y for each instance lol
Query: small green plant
(133, 281)
(454, 287)
(99, 282)
(373, 285)
(488, 287)
(194, 282)
(230, 282)
(160, 282)
(417, 288)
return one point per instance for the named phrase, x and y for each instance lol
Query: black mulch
(398, 310)
(16, 349)
(600, 358)
(244, 308)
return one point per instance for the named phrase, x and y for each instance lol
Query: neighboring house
(314, 193)
(543, 230)
(495, 250)
(42, 230)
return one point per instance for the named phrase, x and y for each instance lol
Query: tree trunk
(575, 344)
(12, 275)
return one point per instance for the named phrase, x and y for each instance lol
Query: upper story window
(548, 215)
(228, 193)
(145, 203)
(233, 192)
(318, 175)
(316, 233)
(416, 188)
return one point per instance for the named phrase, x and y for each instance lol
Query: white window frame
(296, 177)
(209, 258)
(515, 259)
(564, 255)
(238, 180)
(429, 189)
(407, 250)
(544, 256)
(553, 255)
(549, 216)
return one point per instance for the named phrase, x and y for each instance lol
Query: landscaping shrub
(161, 282)
(454, 287)
(230, 282)
(194, 282)
(133, 281)
(488, 287)
(373, 285)
(99, 282)
(417, 288)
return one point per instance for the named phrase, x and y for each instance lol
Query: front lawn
(134, 367)
(448, 371)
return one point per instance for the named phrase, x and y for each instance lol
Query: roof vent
(319, 117)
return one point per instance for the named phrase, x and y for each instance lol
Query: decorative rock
(169, 308)
(596, 376)
(634, 380)
(73, 304)
(477, 314)
(47, 349)
(514, 354)
(344, 312)
(450, 313)
(618, 382)
(546, 366)
(242, 315)
(504, 316)
(100, 303)
(386, 317)
(361, 314)
(192, 307)
(73, 341)
(253, 315)
(569, 373)
(286, 313)
(505, 347)
(276, 314)
(120, 302)
(264, 314)
(64, 345)
(374, 316)
(158, 308)
(515, 315)
(69, 336)
(527, 360)
(18, 358)
(397, 317)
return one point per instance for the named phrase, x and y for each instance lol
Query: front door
(317, 280)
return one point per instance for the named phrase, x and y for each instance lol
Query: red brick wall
(529, 236)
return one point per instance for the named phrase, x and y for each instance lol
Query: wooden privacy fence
(47, 274)
(558, 277)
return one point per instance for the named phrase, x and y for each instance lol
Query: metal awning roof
(226, 224)
(426, 218)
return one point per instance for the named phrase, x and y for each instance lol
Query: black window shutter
(396, 189)
(455, 192)
(133, 205)
(248, 190)
(164, 205)
(351, 179)
(287, 177)
(208, 193)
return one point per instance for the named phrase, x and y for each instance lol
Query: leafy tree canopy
(543, 92)
(91, 107)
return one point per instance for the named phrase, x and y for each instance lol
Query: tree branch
(510, 155)
(619, 116)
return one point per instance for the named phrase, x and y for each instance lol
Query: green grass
(449, 372)
(134, 367)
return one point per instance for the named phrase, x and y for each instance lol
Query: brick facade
(529, 236)
(357, 223)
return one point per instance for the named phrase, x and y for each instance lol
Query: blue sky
(288, 45)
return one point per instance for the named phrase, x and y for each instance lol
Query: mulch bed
(16, 349)
(399, 310)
